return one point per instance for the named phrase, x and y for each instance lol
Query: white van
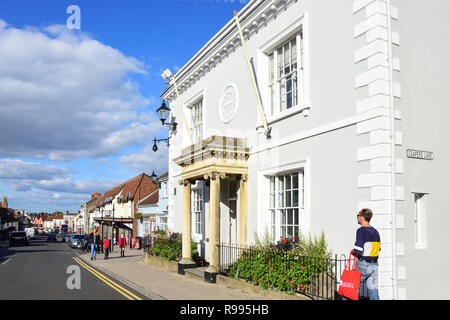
(29, 232)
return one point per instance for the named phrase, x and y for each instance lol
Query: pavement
(160, 284)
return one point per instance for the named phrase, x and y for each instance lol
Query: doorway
(232, 205)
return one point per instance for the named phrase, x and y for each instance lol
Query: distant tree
(56, 213)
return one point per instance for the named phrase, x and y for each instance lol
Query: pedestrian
(98, 242)
(122, 243)
(367, 247)
(93, 248)
(106, 247)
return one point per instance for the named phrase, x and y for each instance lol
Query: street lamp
(156, 141)
(163, 115)
(163, 112)
(154, 177)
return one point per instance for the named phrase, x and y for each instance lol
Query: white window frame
(264, 222)
(163, 225)
(197, 121)
(278, 206)
(298, 29)
(197, 211)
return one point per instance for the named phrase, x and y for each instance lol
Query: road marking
(5, 262)
(109, 282)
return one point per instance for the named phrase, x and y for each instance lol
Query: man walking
(367, 247)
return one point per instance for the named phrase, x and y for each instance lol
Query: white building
(335, 86)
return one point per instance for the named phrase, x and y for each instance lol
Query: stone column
(186, 257)
(214, 219)
(243, 210)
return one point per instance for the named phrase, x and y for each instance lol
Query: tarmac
(160, 284)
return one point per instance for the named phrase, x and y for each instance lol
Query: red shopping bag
(350, 279)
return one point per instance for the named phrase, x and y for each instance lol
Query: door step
(196, 272)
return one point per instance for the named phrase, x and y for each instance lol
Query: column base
(210, 277)
(185, 264)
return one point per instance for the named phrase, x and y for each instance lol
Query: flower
(284, 240)
(302, 267)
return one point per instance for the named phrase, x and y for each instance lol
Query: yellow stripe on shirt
(375, 249)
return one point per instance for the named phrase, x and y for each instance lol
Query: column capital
(184, 182)
(214, 175)
(244, 177)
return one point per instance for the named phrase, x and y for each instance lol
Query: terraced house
(117, 207)
(340, 105)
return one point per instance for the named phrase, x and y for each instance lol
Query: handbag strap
(348, 266)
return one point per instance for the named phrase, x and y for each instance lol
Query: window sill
(301, 108)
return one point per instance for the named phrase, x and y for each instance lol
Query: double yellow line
(127, 294)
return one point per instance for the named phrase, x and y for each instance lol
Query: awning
(120, 225)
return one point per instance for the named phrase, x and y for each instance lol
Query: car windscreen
(78, 236)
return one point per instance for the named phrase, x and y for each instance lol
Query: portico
(213, 160)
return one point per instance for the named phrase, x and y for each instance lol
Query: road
(53, 271)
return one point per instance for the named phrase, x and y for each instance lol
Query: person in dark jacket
(98, 242)
(122, 244)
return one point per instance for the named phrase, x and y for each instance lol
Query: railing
(317, 278)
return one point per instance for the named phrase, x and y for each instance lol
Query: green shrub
(170, 247)
(287, 265)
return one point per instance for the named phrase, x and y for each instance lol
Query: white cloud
(147, 160)
(21, 170)
(25, 176)
(64, 95)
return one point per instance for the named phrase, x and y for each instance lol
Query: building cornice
(254, 16)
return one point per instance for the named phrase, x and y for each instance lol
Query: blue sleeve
(359, 244)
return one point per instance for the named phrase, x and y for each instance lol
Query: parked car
(69, 238)
(19, 237)
(51, 237)
(84, 243)
(75, 240)
(54, 237)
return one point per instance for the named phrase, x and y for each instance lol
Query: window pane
(290, 232)
(271, 68)
(280, 62)
(296, 217)
(289, 100)
(290, 217)
(288, 199)
(294, 53)
(283, 217)
(295, 181)
(295, 198)
(288, 182)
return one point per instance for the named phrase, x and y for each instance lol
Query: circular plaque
(228, 103)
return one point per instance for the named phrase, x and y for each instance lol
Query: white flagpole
(267, 130)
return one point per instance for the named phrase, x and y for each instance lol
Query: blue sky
(78, 106)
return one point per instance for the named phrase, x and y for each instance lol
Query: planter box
(160, 263)
(250, 288)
